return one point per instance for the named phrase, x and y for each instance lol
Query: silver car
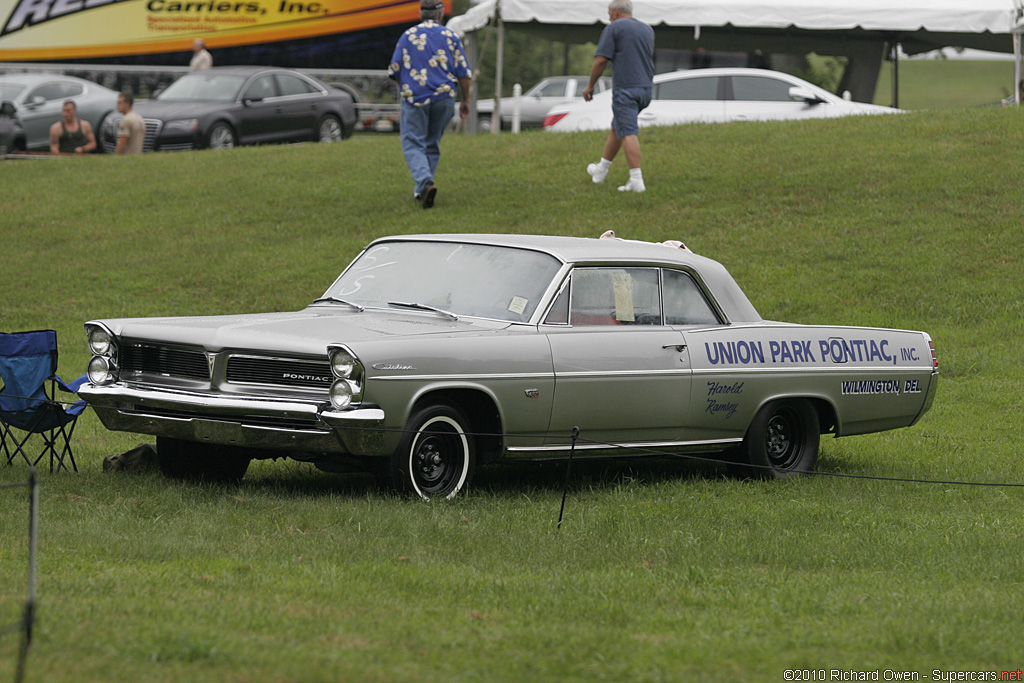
(716, 96)
(535, 102)
(433, 354)
(40, 100)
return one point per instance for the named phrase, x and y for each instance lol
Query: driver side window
(615, 296)
(261, 88)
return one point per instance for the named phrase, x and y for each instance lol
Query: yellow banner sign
(78, 29)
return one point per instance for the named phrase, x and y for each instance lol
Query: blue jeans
(422, 128)
(627, 103)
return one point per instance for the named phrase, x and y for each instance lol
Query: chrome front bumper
(249, 421)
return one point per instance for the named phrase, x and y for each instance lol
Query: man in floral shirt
(430, 65)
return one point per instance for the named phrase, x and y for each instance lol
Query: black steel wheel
(783, 439)
(191, 460)
(436, 456)
(221, 136)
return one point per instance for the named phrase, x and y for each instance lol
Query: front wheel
(783, 439)
(329, 129)
(436, 456)
(221, 136)
(194, 461)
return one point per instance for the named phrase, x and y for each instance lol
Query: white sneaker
(633, 185)
(597, 174)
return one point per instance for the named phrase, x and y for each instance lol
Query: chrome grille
(109, 133)
(279, 372)
(153, 127)
(163, 360)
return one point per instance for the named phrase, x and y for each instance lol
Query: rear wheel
(196, 461)
(329, 129)
(221, 136)
(783, 439)
(436, 456)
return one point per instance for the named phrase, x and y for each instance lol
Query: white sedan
(715, 96)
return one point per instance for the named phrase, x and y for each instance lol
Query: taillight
(935, 356)
(552, 119)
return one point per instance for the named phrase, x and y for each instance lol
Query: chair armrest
(73, 387)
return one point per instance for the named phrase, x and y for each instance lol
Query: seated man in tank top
(71, 135)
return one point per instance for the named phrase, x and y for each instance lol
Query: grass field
(946, 83)
(663, 570)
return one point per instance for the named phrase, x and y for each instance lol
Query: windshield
(9, 91)
(204, 87)
(488, 281)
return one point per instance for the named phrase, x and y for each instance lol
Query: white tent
(856, 28)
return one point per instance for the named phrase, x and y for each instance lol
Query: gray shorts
(627, 103)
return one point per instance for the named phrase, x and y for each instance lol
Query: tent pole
(896, 74)
(499, 66)
(1016, 66)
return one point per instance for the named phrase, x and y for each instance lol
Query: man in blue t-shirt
(429, 64)
(629, 45)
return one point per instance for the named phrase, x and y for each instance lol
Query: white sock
(605, 164)
(635, 174)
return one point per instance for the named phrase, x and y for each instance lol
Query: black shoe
(428, 196)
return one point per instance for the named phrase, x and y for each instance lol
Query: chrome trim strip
(820, 370)
(553, 376)
(607, 446)
(450, 378)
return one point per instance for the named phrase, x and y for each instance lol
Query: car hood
(167, 111)
(306, 332)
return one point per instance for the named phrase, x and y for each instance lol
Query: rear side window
(760, 89)
(684, 302)
(704, 88)
(293, 85)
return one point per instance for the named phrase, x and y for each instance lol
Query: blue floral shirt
(428, 62)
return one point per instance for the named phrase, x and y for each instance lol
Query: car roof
(730, 297)
(720, 71)
(29, 78)
(240, 70)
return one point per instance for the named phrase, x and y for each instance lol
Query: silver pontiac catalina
(432, 354)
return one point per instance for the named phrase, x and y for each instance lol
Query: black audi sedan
(226, 106)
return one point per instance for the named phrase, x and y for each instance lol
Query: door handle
(677, 347)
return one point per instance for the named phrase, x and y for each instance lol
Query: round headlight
(100, 371)
(342, 363)
(100, 342)
(341, 394)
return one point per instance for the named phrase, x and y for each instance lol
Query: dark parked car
(12, 134)
(241, 105)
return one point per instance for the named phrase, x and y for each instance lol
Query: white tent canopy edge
(807, 25)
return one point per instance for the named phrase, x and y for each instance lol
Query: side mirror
(36, 101)
(801, 94)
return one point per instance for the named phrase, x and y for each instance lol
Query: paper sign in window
(623, 286)
(518, 305)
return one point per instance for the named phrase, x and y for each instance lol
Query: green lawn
(662, 570)
(946, 83)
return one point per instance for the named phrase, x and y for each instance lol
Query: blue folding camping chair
(28, 363)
